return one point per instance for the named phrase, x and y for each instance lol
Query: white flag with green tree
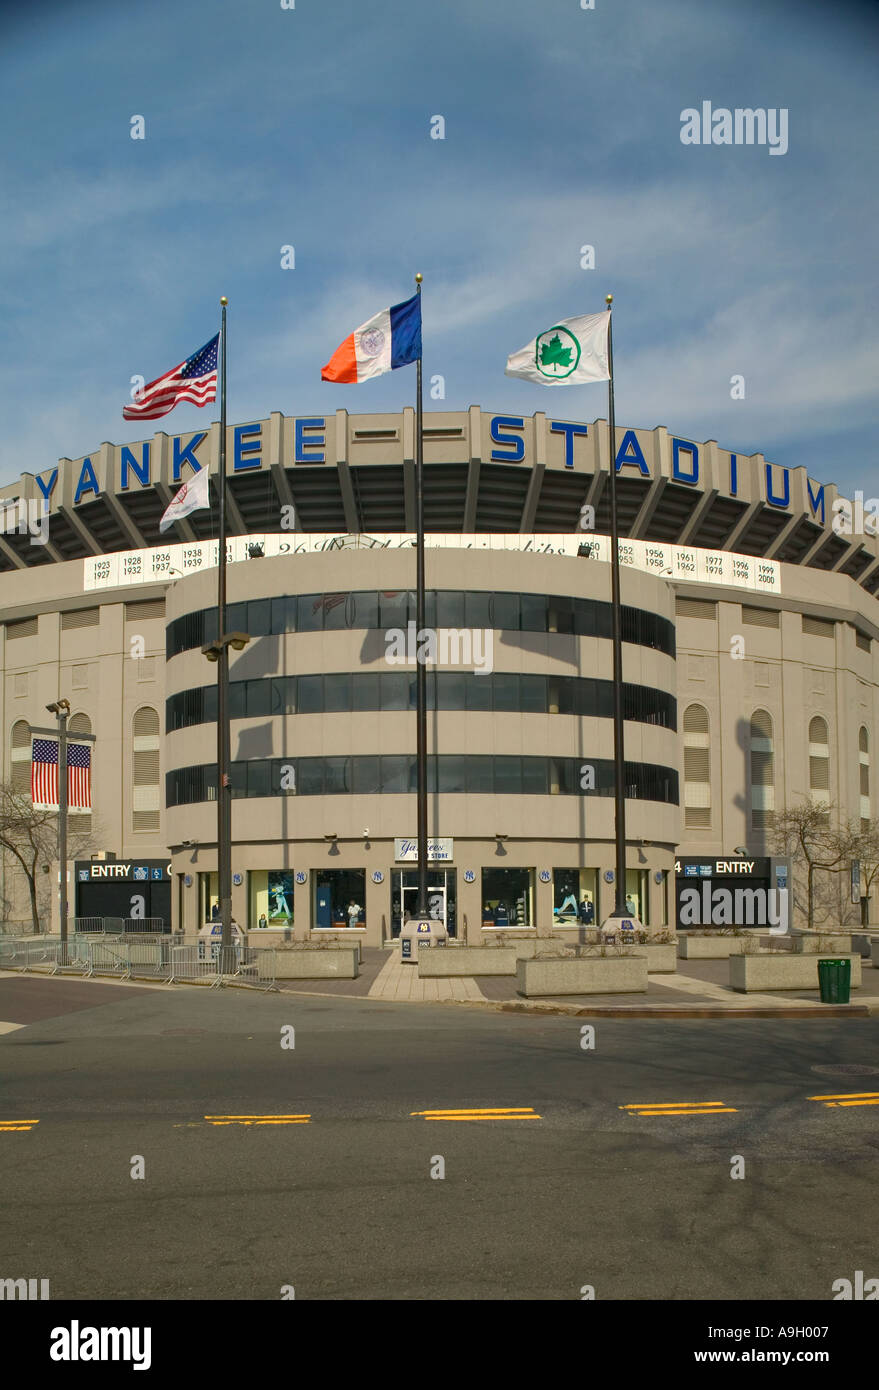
(572, 352)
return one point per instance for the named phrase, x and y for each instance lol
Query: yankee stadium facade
(749, 657)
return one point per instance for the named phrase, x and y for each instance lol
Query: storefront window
(574, 897)
(638, 895)
(507, 897)
(208, 898)
(339, 898)
(270, 898)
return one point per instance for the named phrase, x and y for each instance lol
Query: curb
(683, 1011)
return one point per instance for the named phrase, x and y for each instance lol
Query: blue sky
(310, 127)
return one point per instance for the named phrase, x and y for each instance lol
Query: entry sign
(856, 880)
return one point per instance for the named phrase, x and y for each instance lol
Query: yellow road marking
(681, 1107)
(12, 1125)
(494, 1113)
(846, 1098)
(258, 1119)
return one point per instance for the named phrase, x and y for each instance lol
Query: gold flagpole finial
(223, 300)
(608, 299)
(418, 277)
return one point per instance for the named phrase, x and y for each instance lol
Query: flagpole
(616, 629)
(421, 904)
(224, 789)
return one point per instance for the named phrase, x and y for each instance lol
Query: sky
(268, 127)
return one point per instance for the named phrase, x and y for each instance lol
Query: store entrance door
(440, 897)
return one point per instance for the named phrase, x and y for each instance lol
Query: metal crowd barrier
(189, 965)
(170, 959)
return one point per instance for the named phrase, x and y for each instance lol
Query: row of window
(389, 774)
(501, 612)
(761, 759)
(348, 692)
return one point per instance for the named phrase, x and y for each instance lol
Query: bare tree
(818, 840)
(30, 834)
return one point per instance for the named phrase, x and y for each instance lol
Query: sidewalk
(702, 992)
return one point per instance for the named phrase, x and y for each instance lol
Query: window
(695, 608)
(817, 627)
(144, 608)
(80, 617)
(21, 756)
(759, 617)
(258, 697)
(145, 769)
(270, 898)
(819, 763)
(337, 693)
(310, 694)
(514, 775)
(697, 767)
(862, 640)
(864, 769)
(450, 608)
(762, 770)
(339, 898)
(27, 627)
(259, 778)
(507, 897)
(638, 894)
(575, 897)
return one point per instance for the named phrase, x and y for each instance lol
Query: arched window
(762, 770)
(80, 821)
(20, 763)
(697, 767)
(864, 769)
(819, 762)
(145, 770)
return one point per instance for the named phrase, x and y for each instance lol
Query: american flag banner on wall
(44, 775)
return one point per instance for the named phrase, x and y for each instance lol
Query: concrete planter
(661, 956)
(317, 963)
(806, 942)
(582, 975)
(467, 961)
(775, 970)
(333, 943)
(709, 947)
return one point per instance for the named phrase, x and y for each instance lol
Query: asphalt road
(573, 1190)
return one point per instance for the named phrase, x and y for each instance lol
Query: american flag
(44, 775)
(193, 380)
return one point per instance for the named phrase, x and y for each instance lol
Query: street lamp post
(61, 709)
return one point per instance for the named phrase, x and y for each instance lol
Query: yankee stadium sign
(341, 440)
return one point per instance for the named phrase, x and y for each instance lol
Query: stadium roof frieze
(485, 472)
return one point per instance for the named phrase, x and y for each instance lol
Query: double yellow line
(257, 1119)
(498, 1113)
(851, 1098)
(681, 1107)
(10, 1126)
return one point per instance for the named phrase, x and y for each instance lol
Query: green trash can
(834, 981)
